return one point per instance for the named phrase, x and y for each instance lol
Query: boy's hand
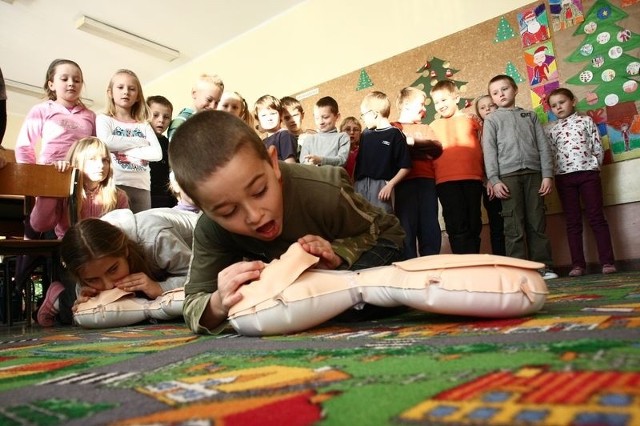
(490, 191)
(316, 160)
(546, 187)
(318, 246)
(140, 282)
(501, 191)
(230, 279)
(385, 192)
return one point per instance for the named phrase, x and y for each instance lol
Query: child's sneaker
(577, 271)
(47, 312)
(547, 274)
(609, 269)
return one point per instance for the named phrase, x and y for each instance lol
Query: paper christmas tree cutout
(608, 49)
(434, 70)
(504, 31)
(364, 81)
(512, 72)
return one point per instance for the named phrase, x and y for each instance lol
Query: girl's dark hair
(562, 91)
(93, 238)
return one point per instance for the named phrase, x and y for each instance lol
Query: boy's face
(269, 119)
(292, 119)
(503, 93)
(206, 96)
(561, 105)
(324, 118)
(414, 110)
(369, 117)
(160, 117)
(445, 102)
(245, 195)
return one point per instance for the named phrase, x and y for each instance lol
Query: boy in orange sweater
(459, 170)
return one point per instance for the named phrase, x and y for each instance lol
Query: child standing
(206, 94)
(575, 142)
(235, 104)
(58, 122)
(416, 197)
(383, 158)
(268, 112)
(292, 116)
(492, 204)
(130, 138)
(160, 109)
(255, 207)
(328, 146)
(519, 166)
(459, 170)
(352, 127)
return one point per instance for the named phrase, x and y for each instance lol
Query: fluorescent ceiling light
(35, 91)
(126, 38)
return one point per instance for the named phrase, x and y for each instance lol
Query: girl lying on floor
(143, 257)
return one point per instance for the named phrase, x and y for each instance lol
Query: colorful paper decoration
(504, 31)
(565, 13)
(534, 25)
(607, 47)
(541, 64)
(364, 81)
(512, 72)
(437, 70)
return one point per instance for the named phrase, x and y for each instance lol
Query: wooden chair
(21, 183)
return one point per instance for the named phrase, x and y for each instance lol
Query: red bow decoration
(598, 115)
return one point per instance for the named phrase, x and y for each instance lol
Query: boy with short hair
(206, 94)
(268, 112)
(255, 207)
(383, 158)
(459, 170)
(519, 165)
(160, 111)
(416, 199)
(328, 146)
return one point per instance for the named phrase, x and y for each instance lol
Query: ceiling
(35, 32)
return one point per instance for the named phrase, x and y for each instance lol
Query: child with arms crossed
(352, 127)
(416, 198)
(519, 166)
(130, 138)
(254, 207)
(160, 110)
(328, 147)
(58, 122)
(459, 170)
(575, 143)
(383, 158)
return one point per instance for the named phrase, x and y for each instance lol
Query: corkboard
(477, 58)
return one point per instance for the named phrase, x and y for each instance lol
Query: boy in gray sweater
(519, 167)
(328, 147)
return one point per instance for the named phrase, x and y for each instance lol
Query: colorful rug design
(575, 363)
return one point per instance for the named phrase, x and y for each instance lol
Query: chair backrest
(36, 180)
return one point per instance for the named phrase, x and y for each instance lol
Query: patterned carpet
(577, 362)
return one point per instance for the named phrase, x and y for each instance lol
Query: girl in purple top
(59, 121)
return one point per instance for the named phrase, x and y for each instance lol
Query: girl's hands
(61, 166)
(231, 279)
(86, 293)
(140, 282)
(320, 247)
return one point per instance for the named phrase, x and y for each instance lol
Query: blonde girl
(130, 138)
(60, 120)
(235, 104)
(352, 127)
